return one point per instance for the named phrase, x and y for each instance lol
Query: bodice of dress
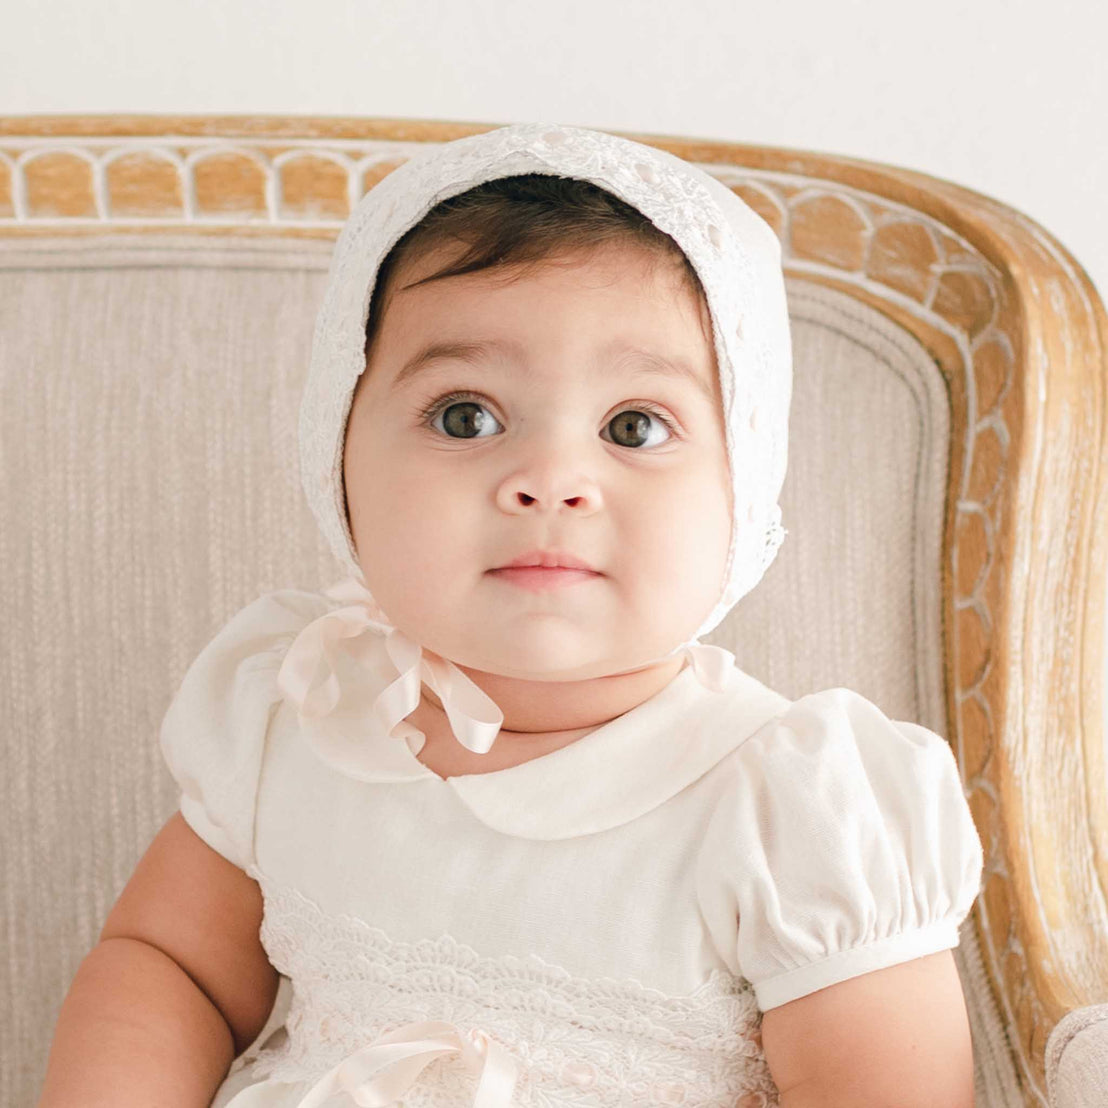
(600, 925)
(573, 1040)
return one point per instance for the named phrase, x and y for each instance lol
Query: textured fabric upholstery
(149, 388)
(1077, 1059)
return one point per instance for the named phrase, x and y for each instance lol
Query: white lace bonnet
(737, 257)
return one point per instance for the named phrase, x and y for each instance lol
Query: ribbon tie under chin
(378, 1074)
(474, 717)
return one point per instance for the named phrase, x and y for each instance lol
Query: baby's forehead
(415, 295)
(631, 275)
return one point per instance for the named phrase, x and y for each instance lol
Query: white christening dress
(601, 925)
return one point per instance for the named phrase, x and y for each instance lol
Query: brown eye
(465, 416)
(632, 427)
(462, 418)
(464, 421)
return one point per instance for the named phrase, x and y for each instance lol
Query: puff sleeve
(841, 843)
(213, 733)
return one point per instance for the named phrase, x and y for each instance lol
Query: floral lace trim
(578, 1041)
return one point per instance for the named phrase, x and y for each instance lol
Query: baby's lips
(548, 559)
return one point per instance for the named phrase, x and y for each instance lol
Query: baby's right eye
(464, 416)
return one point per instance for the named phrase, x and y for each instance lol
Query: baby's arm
(898, 1035)
(178, 985)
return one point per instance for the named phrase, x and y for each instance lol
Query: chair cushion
(1077, 1058)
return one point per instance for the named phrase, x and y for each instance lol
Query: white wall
(1005, 96)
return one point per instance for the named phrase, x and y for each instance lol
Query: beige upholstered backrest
(157, 298)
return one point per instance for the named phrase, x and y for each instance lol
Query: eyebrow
(474, 351)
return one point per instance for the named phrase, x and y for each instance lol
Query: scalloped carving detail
(313, 187)
(902, 254)
(144, 184)
(230, 183)
(59, 184)
(7, 203)
(812, 217)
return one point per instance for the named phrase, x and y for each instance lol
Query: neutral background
(1007, 97)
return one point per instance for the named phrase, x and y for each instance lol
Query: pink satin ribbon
(474, 717)
(361, 1077)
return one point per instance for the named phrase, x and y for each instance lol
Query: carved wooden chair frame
(1021, 337)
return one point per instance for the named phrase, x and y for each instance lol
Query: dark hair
(521, 221)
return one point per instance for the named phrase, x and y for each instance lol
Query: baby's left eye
(463, 417)
(632, 426)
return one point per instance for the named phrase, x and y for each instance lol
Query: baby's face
(560, 443)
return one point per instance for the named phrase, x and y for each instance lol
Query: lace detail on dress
(577, 1041)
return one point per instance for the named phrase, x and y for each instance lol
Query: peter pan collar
(612, 775)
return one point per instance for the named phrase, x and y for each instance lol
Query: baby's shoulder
(840, 841)
(214, 730)
(834, 726)
(832, 772)
(258, 634)
(280, 612)
(832, 763)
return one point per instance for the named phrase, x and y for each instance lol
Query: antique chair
(945, 498)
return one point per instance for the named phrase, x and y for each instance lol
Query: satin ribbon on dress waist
(474, 716)
(379, 1073)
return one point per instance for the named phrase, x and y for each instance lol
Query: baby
(513, 834)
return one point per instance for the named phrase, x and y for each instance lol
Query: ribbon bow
(474, 716)
(360, 1078)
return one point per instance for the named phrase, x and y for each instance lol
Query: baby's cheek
(704, 509)
(703, 532)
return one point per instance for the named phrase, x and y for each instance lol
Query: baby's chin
(545, 646)
(546, 670)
